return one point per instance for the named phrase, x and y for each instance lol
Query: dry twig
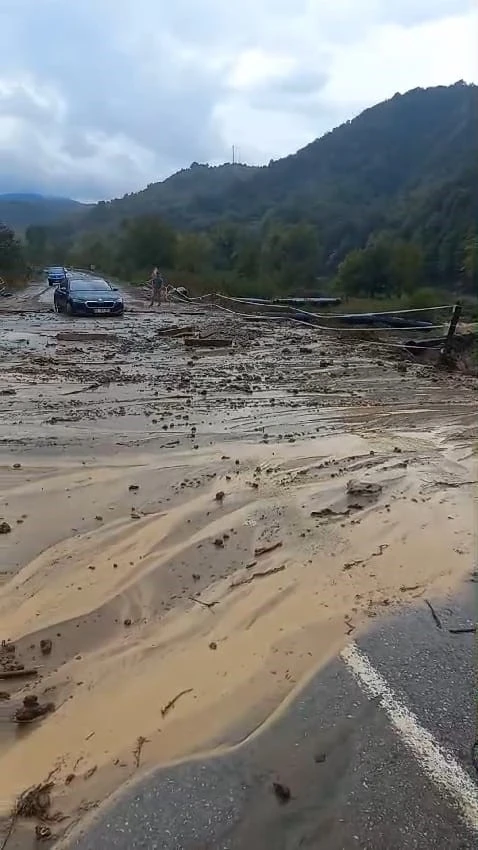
(173, 701)
(263, 574)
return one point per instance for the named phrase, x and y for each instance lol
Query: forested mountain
(183, 200)
(387, 202)
(413, 141)
(20, 210)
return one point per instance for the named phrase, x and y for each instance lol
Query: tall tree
(146, 242)
(12, 260)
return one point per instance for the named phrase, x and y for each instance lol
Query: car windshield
(57, 271)
(89, 285)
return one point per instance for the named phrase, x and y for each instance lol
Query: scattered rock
(5, 528)
(363, 488)
(133, 487)
(17, 466)
(324, 512)
(32, 710)
(46, 646)
(213, 645)
(282, 792)
(42, 832)
(219, 542)
(4, 695)
(319, 758)
(69, 779)
(219, 496)
(127, 622)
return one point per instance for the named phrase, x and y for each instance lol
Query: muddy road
(190, 534)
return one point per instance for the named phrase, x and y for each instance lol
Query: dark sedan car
(56, 275)
(88, 298)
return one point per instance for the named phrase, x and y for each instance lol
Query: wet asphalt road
(353, 781)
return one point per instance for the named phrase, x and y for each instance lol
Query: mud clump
(363, 489)
(5, 528)
(32, 710)
(46, 646)
(282, 792)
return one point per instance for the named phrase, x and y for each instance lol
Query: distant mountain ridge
(18, 210)
(179, 198)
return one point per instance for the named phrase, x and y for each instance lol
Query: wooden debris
(263, 574)
(209, 605)
(35, 802)
(201, 342)
(434, 615)
(468, 630)
(141, 741)
(169, 705)
(87, 389)
(18, 674)
(264, 550)
(176, 330)
(85, 336)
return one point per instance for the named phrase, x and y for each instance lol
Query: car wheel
(69, 309)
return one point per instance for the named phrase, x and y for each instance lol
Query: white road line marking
(438, 764)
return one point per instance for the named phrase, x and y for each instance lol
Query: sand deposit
(190, 536)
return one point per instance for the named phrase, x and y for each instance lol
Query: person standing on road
(157, 287)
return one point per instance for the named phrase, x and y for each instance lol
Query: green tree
(470, 260)
(292, 255)
(94, 250)
(407, 264)
(36, 238)
(145, 242)
(12, 259)
(193, 252)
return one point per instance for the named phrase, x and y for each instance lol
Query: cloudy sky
(101, 97)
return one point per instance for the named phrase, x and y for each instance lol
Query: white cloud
(98, 97)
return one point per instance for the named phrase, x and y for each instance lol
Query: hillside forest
(384, 206)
